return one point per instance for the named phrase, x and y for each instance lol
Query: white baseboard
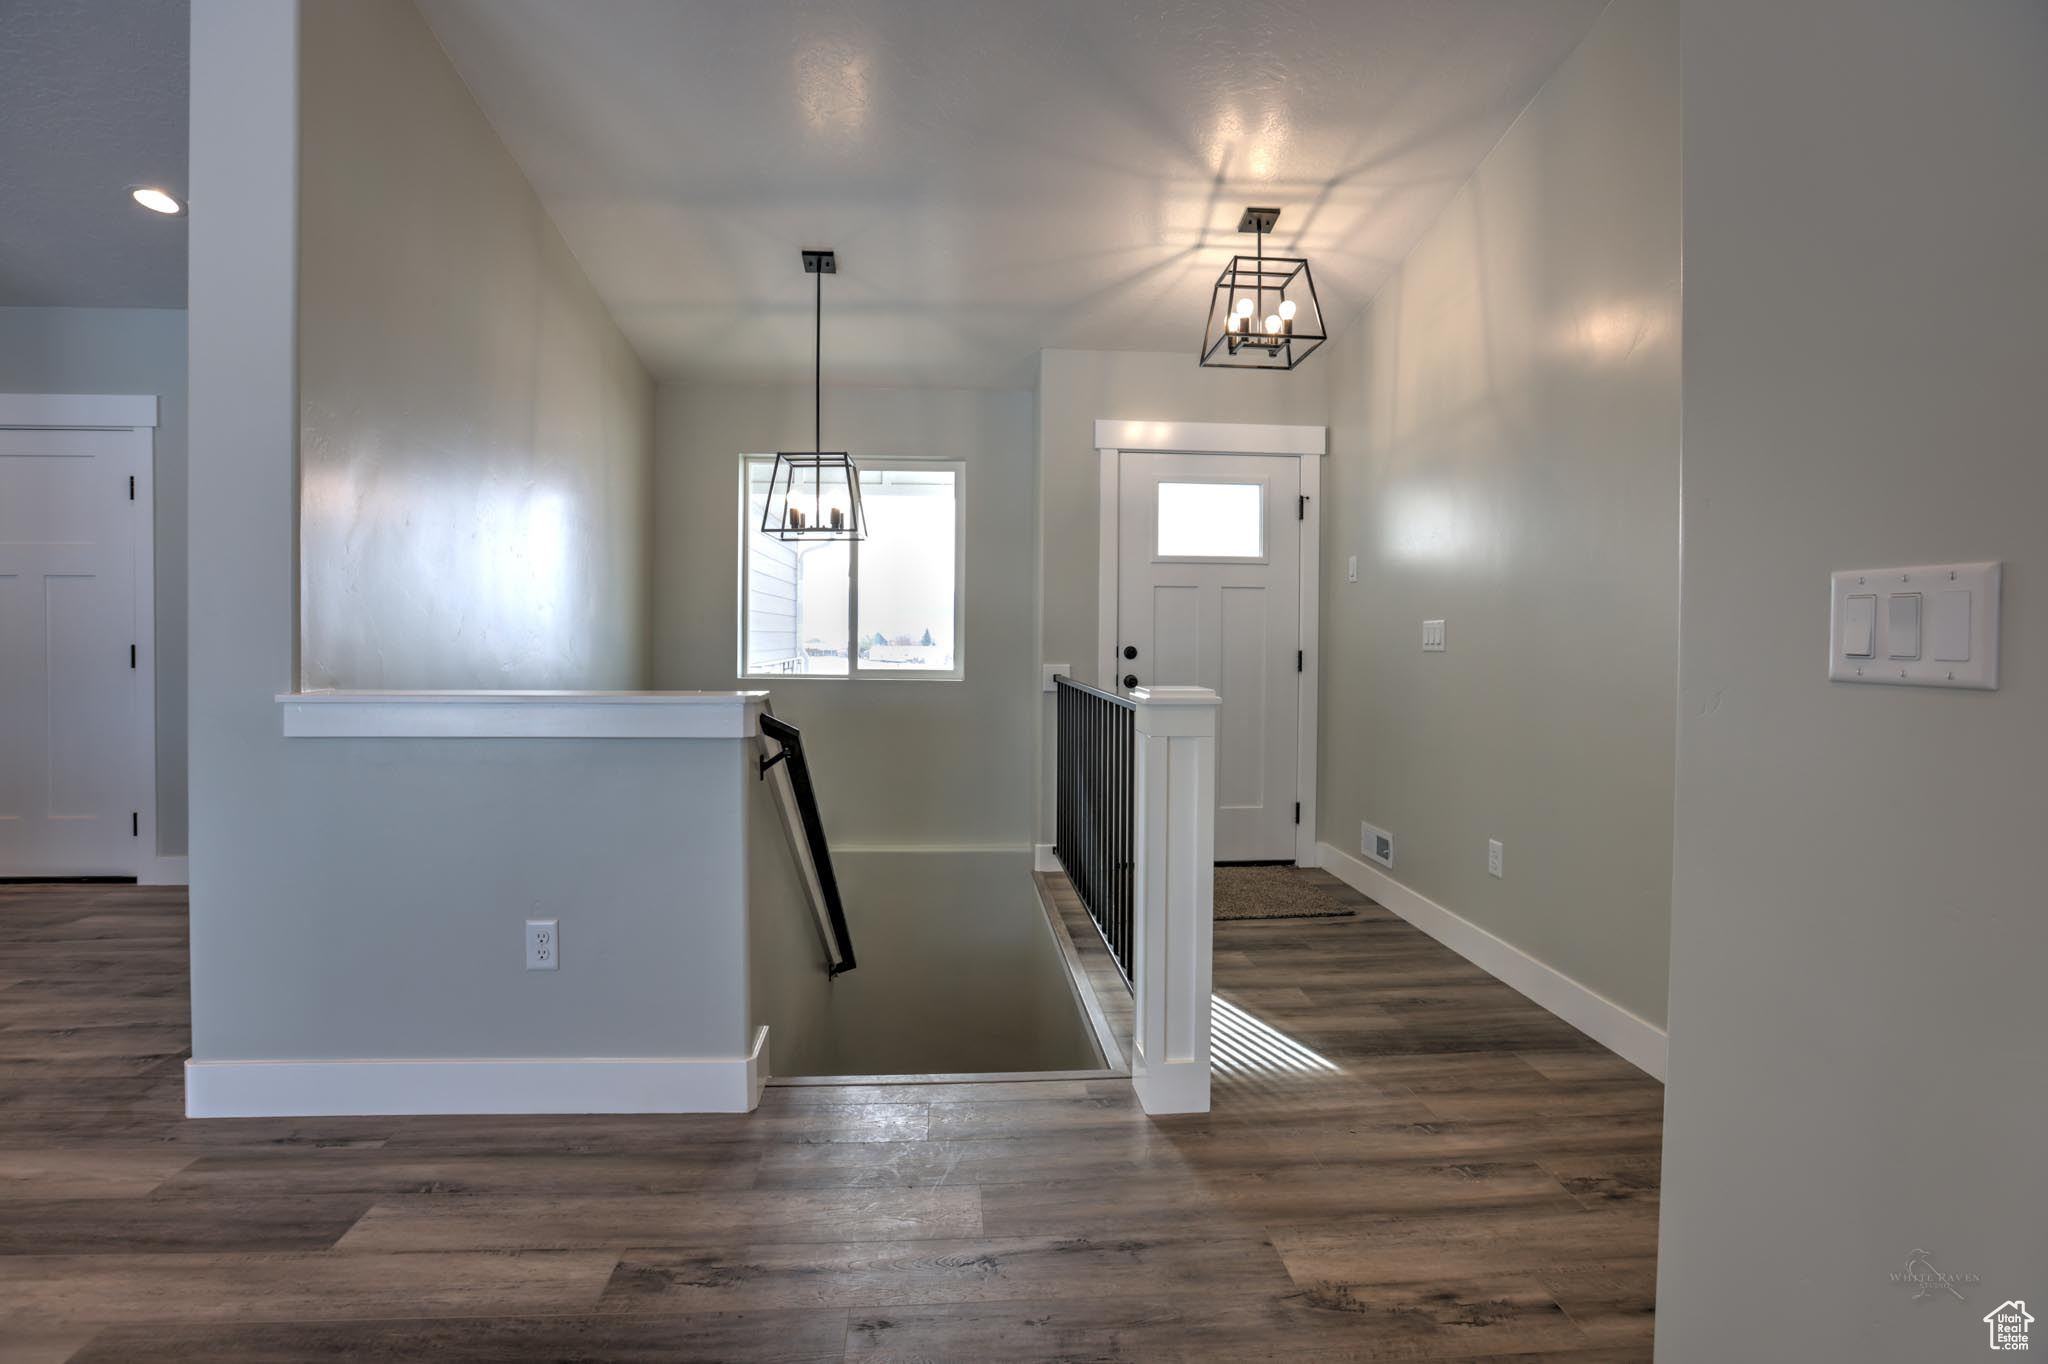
(164, 871)
(757, 1068)
(568, 1084)
(1636, 1040)
(1043, 858)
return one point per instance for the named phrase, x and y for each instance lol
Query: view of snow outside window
(798, 592)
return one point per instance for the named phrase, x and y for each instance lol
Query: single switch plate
(1931, 625)
(1351, 570)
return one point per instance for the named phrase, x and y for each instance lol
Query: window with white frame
(886, 606)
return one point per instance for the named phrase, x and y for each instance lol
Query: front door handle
(1130, 680)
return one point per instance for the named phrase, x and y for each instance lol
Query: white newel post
(1175, 830)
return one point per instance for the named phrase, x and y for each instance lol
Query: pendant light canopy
(1263, 312)
(815, 494)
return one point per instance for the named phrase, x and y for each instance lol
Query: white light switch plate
(1432, 636)
(1942, 617)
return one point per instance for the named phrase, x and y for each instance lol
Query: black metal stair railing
(1097, 804)
(790, 749)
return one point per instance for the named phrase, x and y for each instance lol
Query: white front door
(73, 770)
(1208, 594)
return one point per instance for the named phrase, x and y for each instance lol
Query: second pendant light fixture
(815, 494)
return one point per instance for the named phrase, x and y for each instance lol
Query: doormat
(1273, 893)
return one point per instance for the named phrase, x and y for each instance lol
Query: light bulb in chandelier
(1244, 307)
(1272, 324)
(1287, 310)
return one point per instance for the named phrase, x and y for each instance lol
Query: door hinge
(131, 655)
(1301, 507)
(1297, 660)
(131, 487)
(135, 824)
(1297, 812)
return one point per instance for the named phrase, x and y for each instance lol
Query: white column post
(1175, 832)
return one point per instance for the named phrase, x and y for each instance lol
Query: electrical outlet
(1432, 636)
(1376, 843)
(543, 945)
(1493, 857)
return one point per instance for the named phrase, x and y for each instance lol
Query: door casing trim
(1307, 444)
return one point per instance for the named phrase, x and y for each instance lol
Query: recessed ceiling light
(156, 200)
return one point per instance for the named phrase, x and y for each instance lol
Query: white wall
(898, 761)
(1858, 938)
(477, 436)
(128, 350)
(789, 987)
(1504, 458)
(365, 897)
(1076, 388)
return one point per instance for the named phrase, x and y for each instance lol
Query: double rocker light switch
(1931, 626)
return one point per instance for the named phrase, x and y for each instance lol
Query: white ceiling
(997, 175)
(92, 100)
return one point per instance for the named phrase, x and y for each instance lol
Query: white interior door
(73, 763)
(1208, 594)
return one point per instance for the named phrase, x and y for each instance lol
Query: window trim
(855, 672)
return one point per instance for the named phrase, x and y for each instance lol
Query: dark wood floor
(1414, 1163)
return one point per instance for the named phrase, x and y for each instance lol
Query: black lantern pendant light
(815, 495)
(1263, 312)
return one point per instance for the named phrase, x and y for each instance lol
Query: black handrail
(1097, 807)
(790, 747)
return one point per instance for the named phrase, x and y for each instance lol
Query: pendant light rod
(818, 368)
(820, 263)
(818, 393)
(1259, 311)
